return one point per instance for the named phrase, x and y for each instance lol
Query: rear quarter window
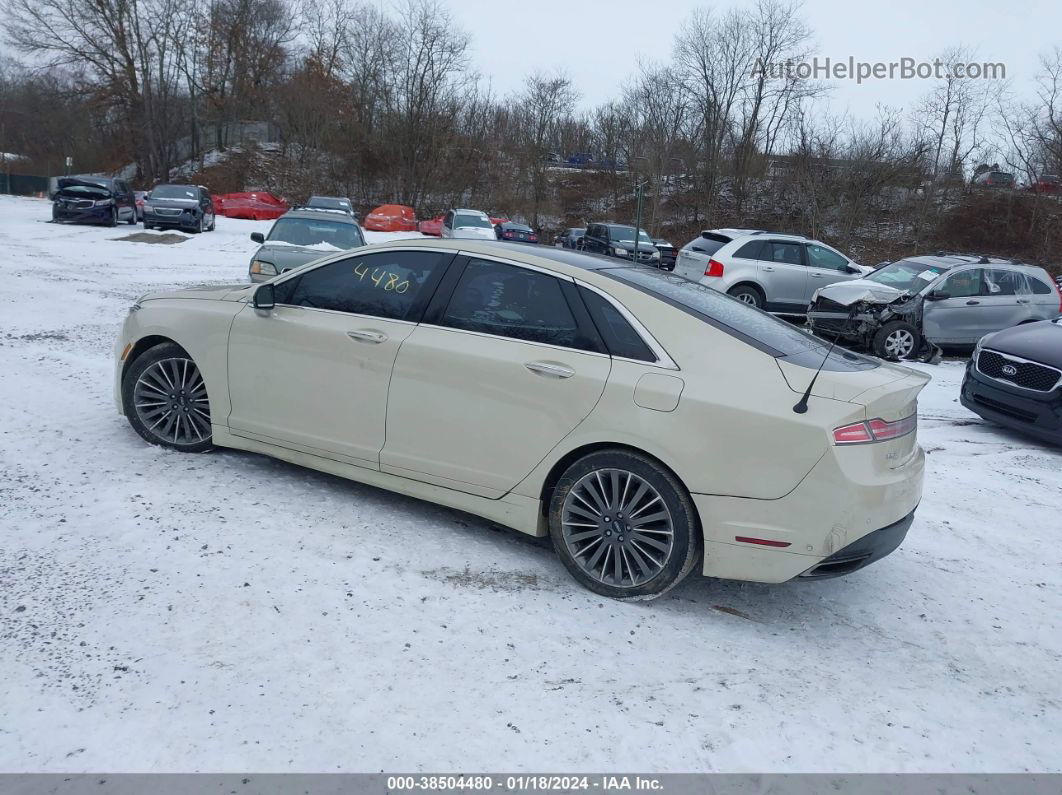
(757, 328)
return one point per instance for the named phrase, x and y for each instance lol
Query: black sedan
(517, 233)
(1015, 379)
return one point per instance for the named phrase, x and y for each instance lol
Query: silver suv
(771, 271)
(906, 308)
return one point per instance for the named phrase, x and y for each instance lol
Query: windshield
(477, 221)
(906, 275)
(625, 234)
(174, 192)
(759, 329)
(312, 233)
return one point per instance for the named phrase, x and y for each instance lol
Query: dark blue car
(93, 200)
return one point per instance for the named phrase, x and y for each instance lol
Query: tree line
(384, 105)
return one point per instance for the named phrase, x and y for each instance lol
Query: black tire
(213, 223)
(113, 220)
(895, 341)
(133, 219)
(639, 583)
(748, 295)
(178, 404)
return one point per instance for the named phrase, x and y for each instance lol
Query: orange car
(391, 218)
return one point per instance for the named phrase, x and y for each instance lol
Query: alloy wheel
(617, 527)
(899, 343)
(747, 298)
(170, 398)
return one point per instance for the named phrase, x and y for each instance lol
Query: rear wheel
(896, 340)
(165, 399)
(747, 295)
(132, 218)
(623, 525)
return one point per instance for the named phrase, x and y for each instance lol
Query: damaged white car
(910, 308)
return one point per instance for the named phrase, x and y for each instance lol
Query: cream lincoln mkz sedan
(645, 422)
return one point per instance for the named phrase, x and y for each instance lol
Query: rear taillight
(533, 238)
(715, 268)
(876, 430)
(507, 234)
(1058, 289)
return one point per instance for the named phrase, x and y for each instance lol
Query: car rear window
(708, 242)
(753, 326)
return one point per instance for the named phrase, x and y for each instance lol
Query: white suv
(467, 225)
(771, 271)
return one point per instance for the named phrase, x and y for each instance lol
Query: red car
(391, 218)
(1047, 183)
(254, 206)
(432, 227)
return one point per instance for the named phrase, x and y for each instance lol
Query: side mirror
(258, 237)
(937, 295)
(264, 297)
(852, 269)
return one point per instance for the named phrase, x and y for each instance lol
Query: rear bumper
(1038, 414)
(840, 504)
(862, 552)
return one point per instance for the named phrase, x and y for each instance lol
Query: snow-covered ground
(228, 612)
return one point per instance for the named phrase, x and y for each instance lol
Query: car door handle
(550, 370)
(972, 303)
(367, 335)
(818, 275)
(1023, 300)
(768, 268)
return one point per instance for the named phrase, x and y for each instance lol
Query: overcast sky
(598, 43)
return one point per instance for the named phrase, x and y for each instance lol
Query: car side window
(753, 250)
(1039, 287)
(448, 221)
(821, 257)
(999, 281)
(964, 284)
(784, 253)
(620, 337)
(388, 285)
(495, 298)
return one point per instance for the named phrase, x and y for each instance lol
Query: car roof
(470, 212)
(951, 260)
(332, 214)
(540, 255)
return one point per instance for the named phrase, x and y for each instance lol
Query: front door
(500, 375)
(957, 319)
(826, 266)
(312, 373)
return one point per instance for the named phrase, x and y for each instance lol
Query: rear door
(1046, 297)
(497, 374)
(785, 276)
(1007, 299)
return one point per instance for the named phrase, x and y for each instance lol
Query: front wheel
(133, 219)
(894, 341)
(623, 526)
(165, 399)
(113, 220)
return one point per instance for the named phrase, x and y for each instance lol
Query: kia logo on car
(1010, 369)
